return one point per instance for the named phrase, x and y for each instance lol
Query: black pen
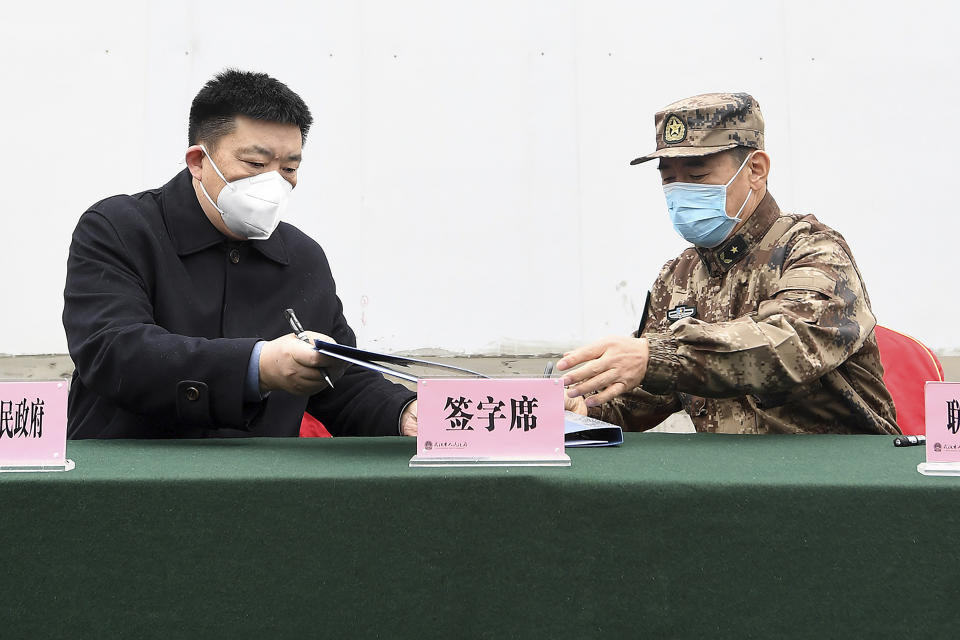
(302, 334)
(909, 441)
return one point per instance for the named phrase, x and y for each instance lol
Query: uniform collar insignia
(733, 250)
(721, 259)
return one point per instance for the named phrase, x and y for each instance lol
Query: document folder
(584, 431)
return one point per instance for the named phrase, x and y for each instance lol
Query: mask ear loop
(745, 161)
(227, 182)
(204, 189)
(749, 195)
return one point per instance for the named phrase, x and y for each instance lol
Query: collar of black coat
(720, 259)
(191, 231)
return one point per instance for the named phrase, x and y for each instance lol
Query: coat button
(234, 256)
(192, 394)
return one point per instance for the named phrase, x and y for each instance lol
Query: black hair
(739, 154)
(233, 93)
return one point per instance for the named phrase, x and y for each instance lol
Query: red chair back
(907, 365)
(310, 427)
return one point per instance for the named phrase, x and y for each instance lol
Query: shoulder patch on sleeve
(807, 279)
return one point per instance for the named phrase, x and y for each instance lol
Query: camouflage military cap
(706, 124)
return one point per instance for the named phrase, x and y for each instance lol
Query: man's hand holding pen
(290, 364)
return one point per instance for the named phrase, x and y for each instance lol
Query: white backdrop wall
(468, 169)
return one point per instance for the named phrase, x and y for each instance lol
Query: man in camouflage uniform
(764, 326)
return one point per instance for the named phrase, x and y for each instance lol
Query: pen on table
(548, 370)
(302, 334)
(909, 441)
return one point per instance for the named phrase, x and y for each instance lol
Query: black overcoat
(162, 312)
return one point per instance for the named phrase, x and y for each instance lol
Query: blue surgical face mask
(699, 211)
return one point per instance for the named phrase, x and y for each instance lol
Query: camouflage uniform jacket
(771, 332)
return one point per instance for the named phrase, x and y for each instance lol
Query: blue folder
(584, 431)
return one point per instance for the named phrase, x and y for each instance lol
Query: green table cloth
(670, 535)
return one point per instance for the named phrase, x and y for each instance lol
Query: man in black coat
(174, 300)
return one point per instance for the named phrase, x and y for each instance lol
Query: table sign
(490, 422)
(33, 426)
(942, 416)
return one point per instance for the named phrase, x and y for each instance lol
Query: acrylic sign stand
(467, 422)
(942, 416)
(33, 426)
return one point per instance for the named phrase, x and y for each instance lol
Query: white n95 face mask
(251, 207)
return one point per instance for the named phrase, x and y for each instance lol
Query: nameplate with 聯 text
(942, 418)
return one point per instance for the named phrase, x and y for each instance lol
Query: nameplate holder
(488, 422)
(942, 418)
(33, 426)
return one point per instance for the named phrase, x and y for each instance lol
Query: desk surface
(674, 535)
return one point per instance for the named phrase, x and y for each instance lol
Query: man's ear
(759, 165)
(194, 158)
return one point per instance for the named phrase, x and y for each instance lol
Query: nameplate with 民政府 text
(33, 426)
